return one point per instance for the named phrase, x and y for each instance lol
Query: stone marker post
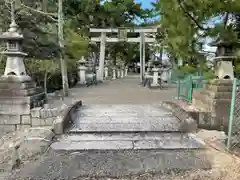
(155, 77)
(105, 72)
(126, 71)
(114, 73)
(82, 71)
(98, 75)
(118, 72)
(122, 71)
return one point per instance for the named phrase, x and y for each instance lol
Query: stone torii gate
(122, 37)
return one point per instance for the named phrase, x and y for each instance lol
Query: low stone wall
(38, 117)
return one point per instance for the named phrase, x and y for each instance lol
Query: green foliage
(208, 75)
(188, 69)
(38, 22)
(237, 68)
(185, 23)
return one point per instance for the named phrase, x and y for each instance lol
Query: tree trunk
(61, 45)
(161, 53)
(45, 85)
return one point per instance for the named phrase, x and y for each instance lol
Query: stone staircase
(120, 140)
(215, 101)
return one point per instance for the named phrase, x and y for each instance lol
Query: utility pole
(61, 45)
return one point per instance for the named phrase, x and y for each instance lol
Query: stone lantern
(224, 59)
(215, 98)
(15, 68)
(18, 93)
(82, 71)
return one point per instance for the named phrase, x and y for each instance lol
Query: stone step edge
(138, 136)
(215, 95)
(123, 131)
(66, 145)
(219, 88)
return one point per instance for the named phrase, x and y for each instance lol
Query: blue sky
(146, 3)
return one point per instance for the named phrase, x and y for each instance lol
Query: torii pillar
(102, 56)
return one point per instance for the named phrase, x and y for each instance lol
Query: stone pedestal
(106, 72)
(224, 67)
(118, 73)
(155, 77)
(126, 71)
(122, 73)
(114, 73)
(17, 98)
(98, 75)
(214, 102)
(82, 74)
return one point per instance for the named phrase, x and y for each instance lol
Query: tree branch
(49, 15)
(190, 16)
(225, 19)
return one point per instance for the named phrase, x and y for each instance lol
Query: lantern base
(19, 93)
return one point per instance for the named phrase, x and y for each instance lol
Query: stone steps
(120, 140)
(126, 124)
(218, 95)
(216, 88)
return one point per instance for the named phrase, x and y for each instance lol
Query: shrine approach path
(122, 91)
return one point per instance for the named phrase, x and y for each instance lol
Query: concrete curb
(66, 117)
(188, 124)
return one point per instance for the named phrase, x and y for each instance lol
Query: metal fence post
(191, 89)
(178, 89)
(231, 117)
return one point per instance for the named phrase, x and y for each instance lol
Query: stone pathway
(122, 91)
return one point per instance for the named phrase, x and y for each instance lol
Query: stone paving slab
(91, 145)
(126, 136)
(117, 142)
(151, 110)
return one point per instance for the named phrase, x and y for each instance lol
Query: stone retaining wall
(38, 117)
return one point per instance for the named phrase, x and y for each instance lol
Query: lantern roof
(13, 33)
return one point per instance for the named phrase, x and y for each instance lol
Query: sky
(146, 4)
